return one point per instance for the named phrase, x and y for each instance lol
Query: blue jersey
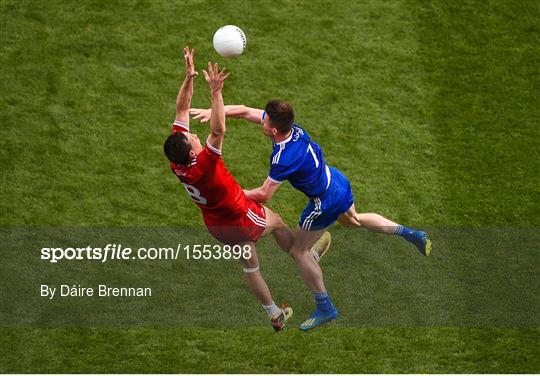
(300, 161)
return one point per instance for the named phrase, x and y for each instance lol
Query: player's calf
(377, 223)
(277, 315)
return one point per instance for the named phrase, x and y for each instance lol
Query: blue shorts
(322, 211)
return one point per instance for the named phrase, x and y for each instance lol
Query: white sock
(272, 310)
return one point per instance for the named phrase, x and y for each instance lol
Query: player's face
(267, 129)
(194, 141)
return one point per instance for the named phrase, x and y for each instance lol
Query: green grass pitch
(430, 108)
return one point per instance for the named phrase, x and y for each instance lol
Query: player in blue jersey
(296, 158)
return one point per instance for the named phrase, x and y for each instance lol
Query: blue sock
(323, 302)
(405, 232)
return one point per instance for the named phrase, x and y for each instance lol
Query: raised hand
(201, 114)
(190, 67)
(215, 79)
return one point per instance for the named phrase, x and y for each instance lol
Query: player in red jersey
(227, 213)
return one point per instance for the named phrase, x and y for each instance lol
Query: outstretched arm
(183, 100)
(253, 115)
(264, 193)
(215, 81)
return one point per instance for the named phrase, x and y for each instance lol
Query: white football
(229, 41)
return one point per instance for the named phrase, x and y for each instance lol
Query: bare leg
(309, 268)
(313, 277)
(279, 229)
(371, 221)
(378, 223)
(254, 278)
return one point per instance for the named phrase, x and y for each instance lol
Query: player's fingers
(193, 111)
(206, 77)
(222, 73)
(226, 76)
(216, 68)
(210, 67)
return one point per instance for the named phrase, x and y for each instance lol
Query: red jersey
(210, 185)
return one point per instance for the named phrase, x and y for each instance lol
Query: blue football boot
(422, 242)
(318, 318)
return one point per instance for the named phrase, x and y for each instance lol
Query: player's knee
(350, 222)
(297, 253)
(278, 221)
(293, 252)
(357, 224)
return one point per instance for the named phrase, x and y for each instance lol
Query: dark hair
(177, 148)
(281, 115)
